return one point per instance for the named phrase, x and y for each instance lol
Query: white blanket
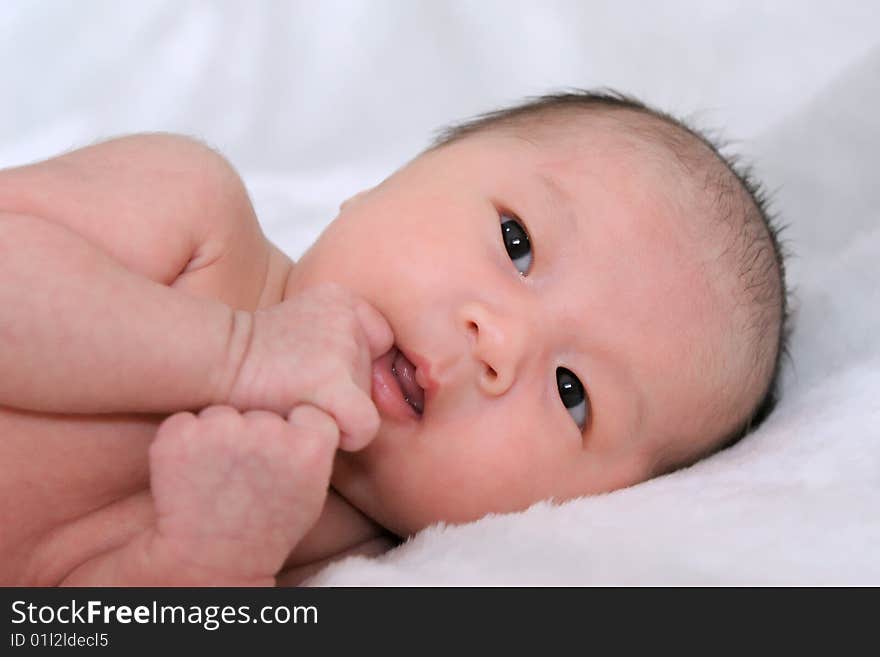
(314, 101)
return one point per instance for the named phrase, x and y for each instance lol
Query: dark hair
(760, 251)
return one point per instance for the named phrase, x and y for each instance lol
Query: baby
(559, 299)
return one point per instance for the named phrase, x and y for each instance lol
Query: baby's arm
(89, 243)
(234, 493)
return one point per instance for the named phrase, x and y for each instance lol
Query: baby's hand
(235, 492)
(316, 348)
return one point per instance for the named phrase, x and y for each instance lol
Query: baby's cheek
(484, 474)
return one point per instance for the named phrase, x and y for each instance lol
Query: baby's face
(611, 295)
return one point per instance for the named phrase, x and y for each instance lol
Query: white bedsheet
(314, 101)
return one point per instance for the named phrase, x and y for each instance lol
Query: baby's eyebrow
(616, 378)
(558, 201)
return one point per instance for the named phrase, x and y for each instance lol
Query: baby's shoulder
(156, 202)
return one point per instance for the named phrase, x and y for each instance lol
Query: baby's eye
(516, 241)
(573, 397)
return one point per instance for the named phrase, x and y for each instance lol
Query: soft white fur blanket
(313, 101)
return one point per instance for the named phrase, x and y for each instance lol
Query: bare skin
(78, 507)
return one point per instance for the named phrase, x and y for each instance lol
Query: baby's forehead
(622, 153)
(602, 179)
(620, 171)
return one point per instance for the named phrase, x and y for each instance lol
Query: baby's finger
(178, 420)
(313, 419)
(377, 330)
(354, 413)
(218, 411)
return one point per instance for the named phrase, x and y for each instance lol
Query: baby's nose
(498, 344)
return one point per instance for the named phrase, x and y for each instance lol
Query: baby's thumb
(380, 337)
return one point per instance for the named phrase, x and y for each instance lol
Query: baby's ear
(353, 201)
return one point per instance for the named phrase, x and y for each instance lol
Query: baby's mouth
(405, 373)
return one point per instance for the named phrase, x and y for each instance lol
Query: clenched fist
(235, 492)
(316, 348)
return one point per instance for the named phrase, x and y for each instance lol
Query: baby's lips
(387, 391)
